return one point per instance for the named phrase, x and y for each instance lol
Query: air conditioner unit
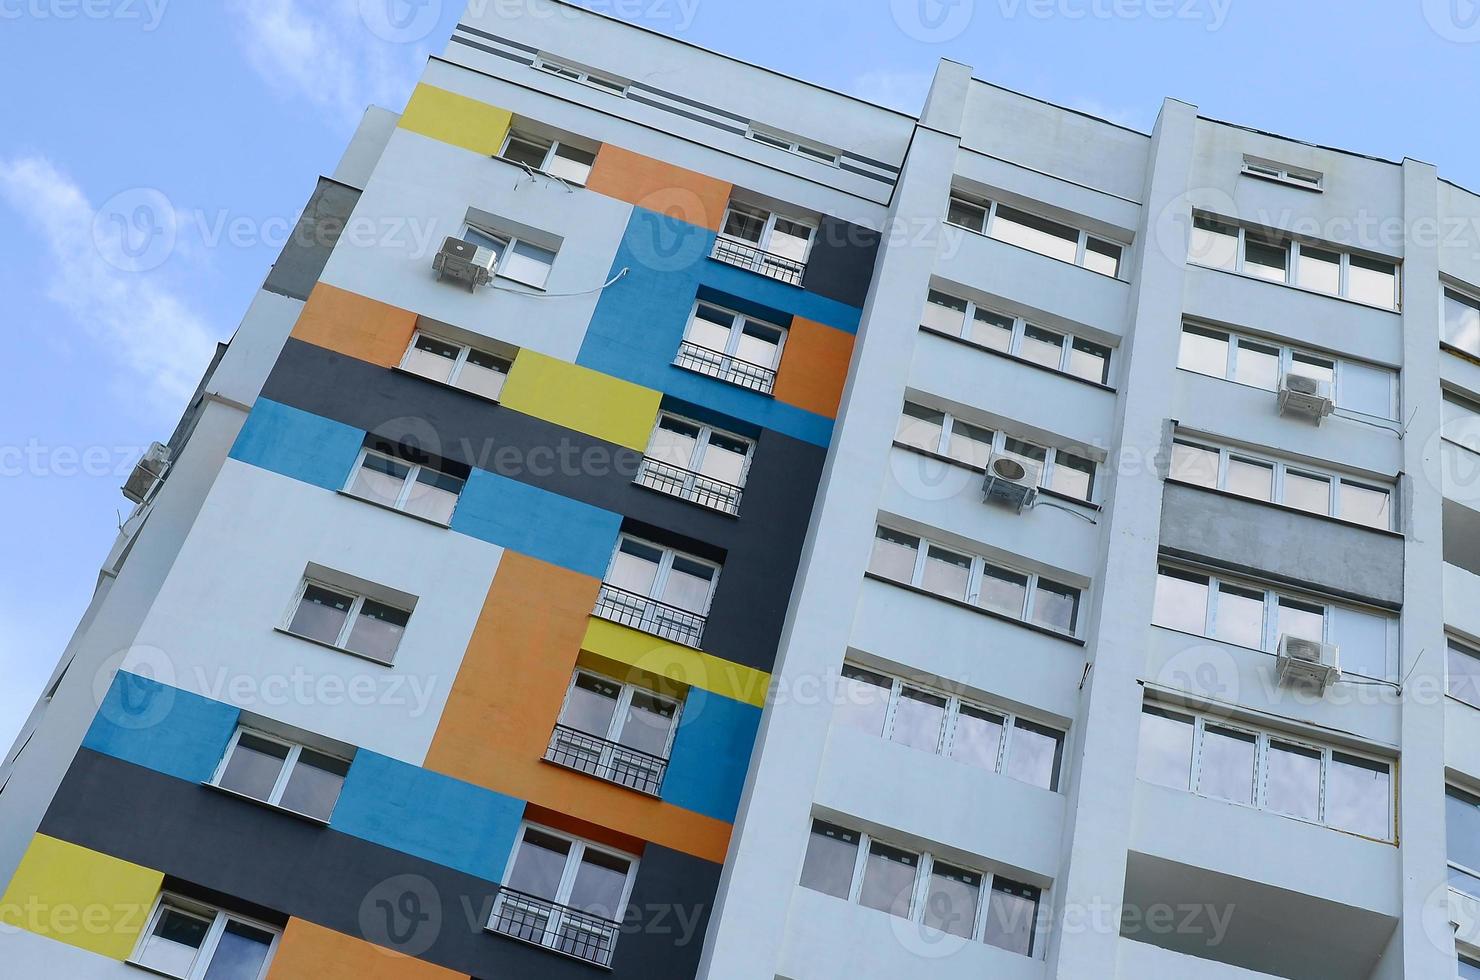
(1308, 663)
(1011, 481)
(465, 262)
(147, 472)
(1305, 396)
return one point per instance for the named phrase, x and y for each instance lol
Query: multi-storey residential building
(822, 542)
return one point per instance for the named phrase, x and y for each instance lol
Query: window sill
(1284, 182)
(151, 970)
(1345, 414)
(1015, 358)
(394, 510)
(444, 385)
(1361, 678)
(315, 821)
(390, 664)
(1340, 521)
(1473, 357)
(989, 613)
(1395, 310)
(1028, 251)
(952, 461)
(542, 173)
(602, 779)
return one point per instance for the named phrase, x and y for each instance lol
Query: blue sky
(226, 112)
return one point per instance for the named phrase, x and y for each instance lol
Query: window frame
(737, 328)
(205, 953)
(626, 691)
(509, 242)
(665, 568)
(408, 484)
(769, 230)
(1020, 327)
(458, 363)
(285, 774)
(701, 445)
(989, 204)
(553, 145)
(358, 599)
(1468, 649)
(1301, 177)
(807, 150)
(578, 849)
(609, 84)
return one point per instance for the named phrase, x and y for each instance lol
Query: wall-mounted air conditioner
(465, 262)
(1011, 481)
(1305, 396)
(147, 472)
(1308, 663)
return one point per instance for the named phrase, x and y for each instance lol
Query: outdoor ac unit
(465, 262)
(147, 472)
(1305, 396)
(1011, 481)
(1308, 663)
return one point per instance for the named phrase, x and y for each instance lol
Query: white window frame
(815, 152)
(1287, 355)
(1292, 262)
(464, 350)
(665, 567)
(1301, 177)
(207, 951)
(604, 83)
(1465, 296)
(1262, 739)
(1020, 326)
(551, 151)
(579, 847)
(1468, 649)
(619, 713)
(701, 446)
(737, 327)
(356, 604)
(1277, 482)
(510, 242)
(769, 230)
(408, 485)
(1463, 869)
(275, 796)
(990, 206)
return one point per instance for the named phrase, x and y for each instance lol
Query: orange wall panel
(660, 187)
(311, 952)
(351, 324)
(507, 696)
(814, 367)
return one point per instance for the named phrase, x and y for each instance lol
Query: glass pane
(951, 903)
(241, 953)
(1319, 270)
(591, 705)
(1362, 639)
(1003, 591)
(1036, 234)
(759, 344)
(946, 573)
(1249, 478)
(863, 700)
(790, 239)
(484, 240)
(746, 223)
(254, 766)
(971, 444)
(1194, 464)
(1042, 347)
(1034, 754)
(1032, 457)
(689, 585)
(1012, 912)
(832, 853)
(977, 740)
(1181, 601)
(1366, 389)
(1073, 476)
(1265, 257)
(176, 939)
(380, 479)
(528, 264)
(1307, 492)
(648, 724)
(1203, 351)
(1462, 831)
(1303, 620)
(1165, 753)
(1257, 365)
(1365, 505)
(1226, 765)
(1464, 674)
(483, 374)
(377, 631)
(1468, 969)
(431, 358)
(944, 313)
(321, 614)
(1292, 783)
(674, 442)
(635, 567)
(888, 879)
(1102, 257)
(598, 884)
(433, 495)
(991, 330)
(1358, 796)
(710, 327)
(918, 717)
(572, 164)
(527, 150)
(724, 459)
(894, 555)
(1056, 606)
(920, 427)
(1310, 366)
(1371, 281)
(1089, 361)
(314, 785)
(1462, 322)
(967, 214)
(1213, 244)
(539, 864)
(1239, 617)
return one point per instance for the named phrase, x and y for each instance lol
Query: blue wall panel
(537, 523)
(162, 728)
(299, 444)
(711, 751)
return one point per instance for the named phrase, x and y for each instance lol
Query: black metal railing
(747, 256)
(649, 615)
(605, 759)
(688, 484)
(541, 922)
(726, 367)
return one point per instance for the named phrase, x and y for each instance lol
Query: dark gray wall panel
(307, 251)
(841, 265)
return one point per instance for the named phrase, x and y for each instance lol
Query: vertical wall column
(1086, 926)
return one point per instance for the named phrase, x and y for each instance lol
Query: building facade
(782, 537)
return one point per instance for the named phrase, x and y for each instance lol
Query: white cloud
(903, 90)
(329, 53)
(131, 314)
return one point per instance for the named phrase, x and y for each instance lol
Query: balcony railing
(604, 759)
(650, 615)
(725, 367)
(689, 485)
(556, 927)
(747, 256)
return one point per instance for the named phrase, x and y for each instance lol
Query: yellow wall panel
(581, 399)
(80, 897)
(456, 119)
(678, 663)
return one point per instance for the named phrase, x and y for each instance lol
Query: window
(772, 244)
(1273, 257)
(458, 365)
(943, 434)
(564, 894)
(282, 773)
(1282, 483)
(1362, 388)
(812, 151)
(347, 620)
(946, 897)
(518, 260)
(619, 732)
(1462, 322)
(415, 488)
(733, 347)
(1183, 750)
(1026, 596)
(1254, 616)
(697, 462)
(1463, 673)
(1269, 170)
(586, 76)
(947, 725)
(1469, 969)
(192, 941)
(1014, 336)
(658, 590)
(549, 156)
(1462, 832)
(1034, 233)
